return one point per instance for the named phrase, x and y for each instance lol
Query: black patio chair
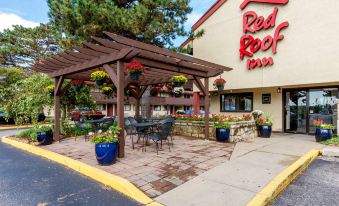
(172, 120)
(164, 130)
(130, 130)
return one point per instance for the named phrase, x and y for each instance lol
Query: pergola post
(196, 103)
(137, 104)
(57, 112)
(207, 109)
(120, 107)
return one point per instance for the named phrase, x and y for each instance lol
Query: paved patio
(154, 174)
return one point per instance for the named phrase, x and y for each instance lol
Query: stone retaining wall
(239, 131)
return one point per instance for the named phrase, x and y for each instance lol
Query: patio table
(145, 128)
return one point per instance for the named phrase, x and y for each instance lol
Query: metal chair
(164, 130)
(172, 120)
(130, 130)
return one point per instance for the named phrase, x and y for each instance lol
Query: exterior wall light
(279, 90)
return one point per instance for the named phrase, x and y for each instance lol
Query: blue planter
(99, 82)
(221, 87)
(106, 153)
(222, 134)
(134, 76)
(45, 138)
(264, 131)
(322, 134)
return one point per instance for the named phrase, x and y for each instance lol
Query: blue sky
(32, 12)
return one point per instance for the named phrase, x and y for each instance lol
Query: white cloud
(9, 19)
(192, 18)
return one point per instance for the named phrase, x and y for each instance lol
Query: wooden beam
(199, 84)
(142, 91)
(100, 48)
(111, 74)
(167, 52)
(120, 109)
(57, 89)
(89, 52)
(57, 112)
(207, 109)
(93, 63)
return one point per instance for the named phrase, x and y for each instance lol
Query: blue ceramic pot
(265, 131)
(222, 134)
(45, 138)
(106, 153)
(221, 87)
(99, 82)
(322, 134)
(134, 76)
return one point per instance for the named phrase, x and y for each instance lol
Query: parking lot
(318, 185)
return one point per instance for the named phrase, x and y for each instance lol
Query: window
(127, 107)
(157, 107)
(242, 102)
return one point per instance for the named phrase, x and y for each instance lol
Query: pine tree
(152, 21)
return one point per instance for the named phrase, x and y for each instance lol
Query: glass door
(302, 107)
(296, 111)
(322, 106)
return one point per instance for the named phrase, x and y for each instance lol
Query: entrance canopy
(110, 54)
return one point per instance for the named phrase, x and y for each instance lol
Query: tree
(22, 47)
(152, 21)
(8, 78)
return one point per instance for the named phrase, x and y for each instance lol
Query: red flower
(135, 66)
(219, 82)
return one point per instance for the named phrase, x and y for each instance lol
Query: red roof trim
(204, 17)
(209, 13)
(186, 42)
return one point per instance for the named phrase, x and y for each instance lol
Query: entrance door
(296, 111)
(302, 107)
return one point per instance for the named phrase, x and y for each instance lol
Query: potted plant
(99, 77)
(179, 81)
(219, 84)
(177, 91)
(222, 131)
(77, 84)
(154, 91)
(264, 126)
(106, 145)
(135, 70)
(256, 114)
(323, 131)
(50, 89)
(44, 135)
(107, 91)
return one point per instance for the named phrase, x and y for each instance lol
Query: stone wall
(239, 131)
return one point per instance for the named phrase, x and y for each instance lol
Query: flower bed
(241, 128)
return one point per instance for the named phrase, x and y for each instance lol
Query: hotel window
(242, 102)
(157, 107)
(127, 107)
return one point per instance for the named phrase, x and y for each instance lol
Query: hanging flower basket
(179, 81)
(77, 84)
(50, 90)
(135, 70)
(99, 77)
(219, 84)
(178, 91)
(107, 91)
(154, 91)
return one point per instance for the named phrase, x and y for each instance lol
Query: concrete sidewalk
(252, 166)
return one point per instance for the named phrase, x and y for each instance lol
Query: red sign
(252, 23)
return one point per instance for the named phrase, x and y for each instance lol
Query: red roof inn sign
(252, 23)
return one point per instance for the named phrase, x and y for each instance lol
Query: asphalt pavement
(29, 180)
(318, 186)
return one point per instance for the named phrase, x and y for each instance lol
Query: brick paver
(154, 174)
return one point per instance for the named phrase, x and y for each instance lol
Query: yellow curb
(16, 127)
(117, 183)
(280, 182)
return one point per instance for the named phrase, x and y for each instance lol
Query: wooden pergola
(110, 54)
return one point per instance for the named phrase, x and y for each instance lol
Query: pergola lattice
(110, 54)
